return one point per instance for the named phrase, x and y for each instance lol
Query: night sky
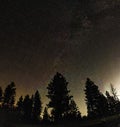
(38, 39)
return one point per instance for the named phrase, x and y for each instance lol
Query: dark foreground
(109, 122)
(11, 120)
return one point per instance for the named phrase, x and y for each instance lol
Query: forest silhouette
(61, 108)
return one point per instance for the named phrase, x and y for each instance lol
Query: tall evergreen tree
(27, 107)
(74, 110)
(46, 117)
(9, 95)
(20, 108)
(90, 101)
(102, 106)
(116, 100)
(58, 94)
(95, 100)
(111, 103)
(37, 106)
(20, 104)
(114, 92)
(73, 114)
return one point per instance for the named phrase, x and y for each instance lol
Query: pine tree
(116, 101)
(102, 106)
(89, 92)
(114, 92)
(46, 117)
(27, 108)
(73, 114)
(59, 97)
(20, 104)
(74, 109)
(97, 105)
(20, 108)
(111, 103)
(37, 106)
(9, 95)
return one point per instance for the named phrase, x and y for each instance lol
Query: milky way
(39, 39)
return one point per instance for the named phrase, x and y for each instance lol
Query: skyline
(39, 39)
(84, 111)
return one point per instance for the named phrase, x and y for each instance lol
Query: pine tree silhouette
(97, 105)
(59, 97)
(9, 95)
(37, 106)
(46, 117)
(73, 114)
(20, 104)
(27, 108)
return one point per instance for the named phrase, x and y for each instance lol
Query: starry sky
(78, 39)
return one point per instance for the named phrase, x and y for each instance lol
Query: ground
(10, 119)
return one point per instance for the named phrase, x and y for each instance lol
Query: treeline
(61, 106)
(98, 104)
